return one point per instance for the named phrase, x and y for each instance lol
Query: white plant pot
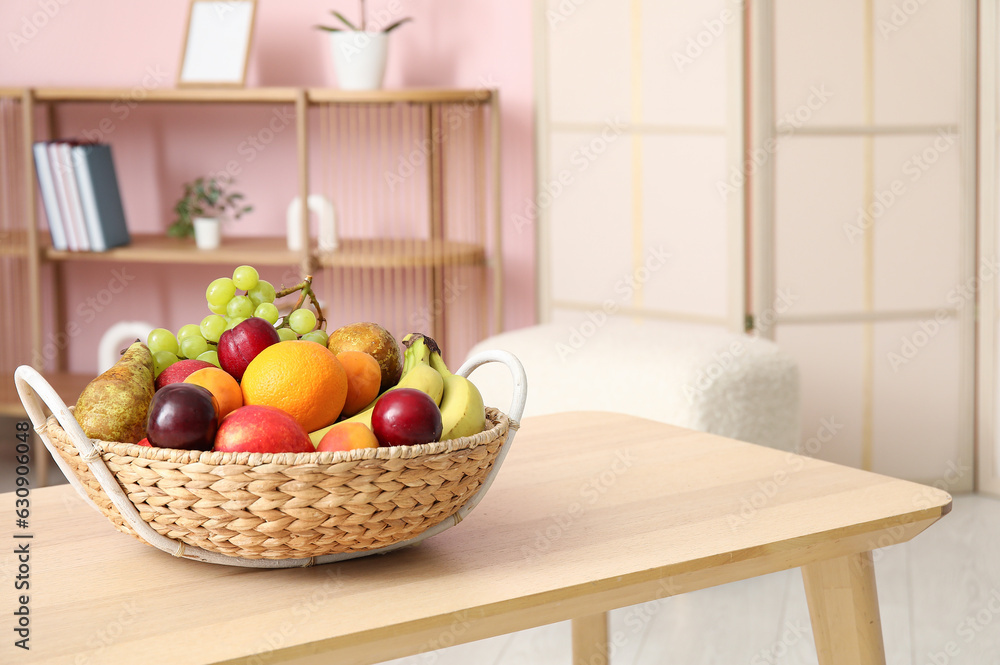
(207, 232)
(359, 58)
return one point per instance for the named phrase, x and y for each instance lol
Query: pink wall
(127, 44)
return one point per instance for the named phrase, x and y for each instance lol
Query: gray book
(99, 196)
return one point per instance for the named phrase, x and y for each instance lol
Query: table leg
(843, 606)
(590, 640)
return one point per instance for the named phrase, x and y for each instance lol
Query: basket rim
(500, 423)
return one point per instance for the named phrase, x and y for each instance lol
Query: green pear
(113, 407)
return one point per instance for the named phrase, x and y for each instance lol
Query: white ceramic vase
(323, 208)
(359, 58)
(207, 232)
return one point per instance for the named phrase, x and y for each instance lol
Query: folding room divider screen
(809, 168)
(870, 225)
(988, 394)
(638, 124)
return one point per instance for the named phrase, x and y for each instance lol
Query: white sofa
(734, 385)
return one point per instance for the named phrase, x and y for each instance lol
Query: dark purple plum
(182, 415)
(406, 417)
(237, 347)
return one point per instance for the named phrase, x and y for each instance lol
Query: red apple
(182, 415)
(406, 417)
(179, 371)
(145, 442)
(237, 347)
(261, 429)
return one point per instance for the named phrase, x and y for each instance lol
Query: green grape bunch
(232, 300)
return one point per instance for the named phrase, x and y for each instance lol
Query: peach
(261, 429)
(364, 379)
(347, 436)
(222, 385)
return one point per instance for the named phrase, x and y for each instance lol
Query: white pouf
(732, 385)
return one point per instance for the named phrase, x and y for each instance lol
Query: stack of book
(80, 194)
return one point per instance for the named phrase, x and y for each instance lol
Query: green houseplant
(360, 54)
(349, 26)
(206, 201)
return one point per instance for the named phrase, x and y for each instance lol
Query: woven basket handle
(34, 390)
(30, 387)
(516, 411)
(516, 371)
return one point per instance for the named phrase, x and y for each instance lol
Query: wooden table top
(591, 511)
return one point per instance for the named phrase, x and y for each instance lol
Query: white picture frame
(217, 43)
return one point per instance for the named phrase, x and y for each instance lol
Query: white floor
(939, 596)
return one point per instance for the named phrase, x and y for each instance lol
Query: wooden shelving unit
(456, 231)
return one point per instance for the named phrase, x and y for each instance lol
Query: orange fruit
(221, 384)
(364, 378)
(303, 379)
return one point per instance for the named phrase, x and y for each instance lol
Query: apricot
(347, 436)
(222, 385)
(364, 380)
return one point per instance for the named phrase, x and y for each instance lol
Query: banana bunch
(461, 404)
(462, 410)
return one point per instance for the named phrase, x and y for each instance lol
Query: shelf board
(264, 95)
(13, 243)
(261, 251)
(13, 250)
(270, 251)
(69, 387)
(401, 253)
(412, 95)
(169, 95)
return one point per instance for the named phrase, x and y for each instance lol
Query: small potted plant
(359, 53)
(200, 211)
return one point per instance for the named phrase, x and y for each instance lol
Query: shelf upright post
(31, 222)
(34, 263)
(58, 283)
(497, 230)
(483, 228)
(302, 132)
(434, 195)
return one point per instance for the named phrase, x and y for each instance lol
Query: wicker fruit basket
(278, 510)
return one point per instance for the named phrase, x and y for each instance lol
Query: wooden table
(592, 511)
